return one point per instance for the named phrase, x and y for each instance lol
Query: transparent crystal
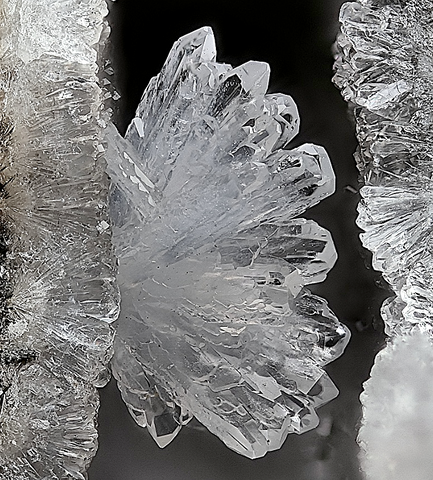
(384, 68)
(57, 269)
(216, 321)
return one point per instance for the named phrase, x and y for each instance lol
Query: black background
(295, 38)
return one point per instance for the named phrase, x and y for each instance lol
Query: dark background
(295, 38)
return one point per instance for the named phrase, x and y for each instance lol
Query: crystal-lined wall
(59, 292)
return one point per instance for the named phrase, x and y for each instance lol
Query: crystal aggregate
(216, 321)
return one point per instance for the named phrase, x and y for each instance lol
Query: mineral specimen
(216, 321)
(57, 273)
(384, 67)
(396, 435)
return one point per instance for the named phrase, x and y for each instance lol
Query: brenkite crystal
(216, 321)
(57, 273)
(384, 67)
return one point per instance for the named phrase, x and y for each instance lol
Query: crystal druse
(57, 273)
(384, 68)
(216, 321)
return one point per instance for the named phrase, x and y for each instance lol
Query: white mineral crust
(57, 270)
(216, 322)
(384, 67)
(396, 434)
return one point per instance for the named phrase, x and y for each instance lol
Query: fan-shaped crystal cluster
(57, 274)
(216, 321)
(384, 67)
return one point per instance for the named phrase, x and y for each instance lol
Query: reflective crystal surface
(384, 67)
(57, 273)
(216, 321)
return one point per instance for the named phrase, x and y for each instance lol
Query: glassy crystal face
(384, 67)
(216, 321)
(57, 274)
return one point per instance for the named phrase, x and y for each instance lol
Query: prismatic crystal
(216, 321)
(57, 274)
(384, 67)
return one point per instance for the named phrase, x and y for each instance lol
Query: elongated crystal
(57, 273)
(216, 321)
(384, 68)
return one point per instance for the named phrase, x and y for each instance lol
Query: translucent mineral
(58, 290)
(216, 321)
(384, 67)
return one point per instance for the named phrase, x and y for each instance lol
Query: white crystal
(58, 291)
(384, 68)
(216, 321)
(393, 63)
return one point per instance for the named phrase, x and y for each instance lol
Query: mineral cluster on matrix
(384, 68)
(58, 291)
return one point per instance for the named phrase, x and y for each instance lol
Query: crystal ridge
(57, 265)
(384, 68)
